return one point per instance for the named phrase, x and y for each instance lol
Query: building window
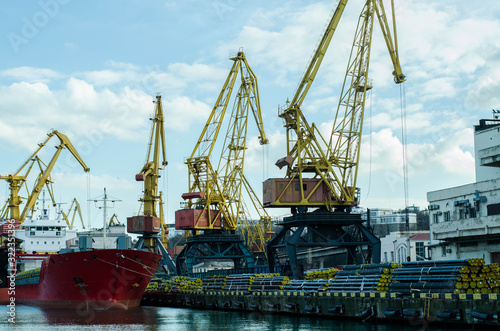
(493, 209)
(420, 251)
(385, 257)
(402, 253)
(392, 256)
(461, 214)
(32, 233)
(472, 212)
(446, 216)
(435, 218)
(443, 250)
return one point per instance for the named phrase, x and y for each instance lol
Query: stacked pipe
(213, 283)
(316, 285)
(322, 274)
(363, 278)
(268, 282)
(238, 282)
(155, 284)
(452, 276)
(479, 277)
(184, 283)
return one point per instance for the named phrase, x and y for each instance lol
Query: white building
(465, 220)
(400, 246)
(385, 221)
(389, 216)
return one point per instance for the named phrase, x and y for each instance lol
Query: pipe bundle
(269, 282)
(213, 283)
(316, 285)
(452, 276)
(363, 278)
(184, 283)
(322, 274)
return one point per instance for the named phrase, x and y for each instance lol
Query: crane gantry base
(153, 244)
(304, 232)
(213, 247)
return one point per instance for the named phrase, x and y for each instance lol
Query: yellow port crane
(74, 209)
(149, 223)
(16, 181)
(216, 195)
(321, 173)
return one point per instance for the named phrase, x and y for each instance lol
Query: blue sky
(90, 70)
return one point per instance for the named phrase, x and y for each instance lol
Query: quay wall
(456, 310)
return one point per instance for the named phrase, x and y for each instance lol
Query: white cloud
(382, 151)
(483, 92)
(31, 75)
(184, 112)
(97, 182)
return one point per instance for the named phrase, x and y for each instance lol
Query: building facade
(385, 221)
(465, 220)
(401, 246)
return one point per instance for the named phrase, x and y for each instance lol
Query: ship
(53, 276)
(93, 279)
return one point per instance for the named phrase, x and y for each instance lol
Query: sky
(91, 69)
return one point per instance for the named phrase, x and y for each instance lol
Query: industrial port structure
(320, 190)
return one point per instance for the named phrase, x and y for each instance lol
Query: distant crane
(74, 208)
(322, 173)
(17, 180)
(216, 195)
(149, 223)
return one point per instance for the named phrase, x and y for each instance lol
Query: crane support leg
(213, 247)
(154, 244)
(339, 236)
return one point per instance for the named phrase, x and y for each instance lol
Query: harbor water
(172, 319)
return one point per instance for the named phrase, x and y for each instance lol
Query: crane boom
(318, 55)
(16, 181)
(43, 178)
(320, 173)
(210, 187)
(216, 198)
(149, 174)
(323, 174)
(149, 223)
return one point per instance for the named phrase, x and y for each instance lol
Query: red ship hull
(97, 279)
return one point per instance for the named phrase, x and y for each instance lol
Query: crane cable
(88, 201)
(404, 143)
(370, 148)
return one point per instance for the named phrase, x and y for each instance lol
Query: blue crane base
(206, 247)
(166, 262)
(306, 232)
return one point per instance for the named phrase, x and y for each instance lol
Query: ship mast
(105, 200)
